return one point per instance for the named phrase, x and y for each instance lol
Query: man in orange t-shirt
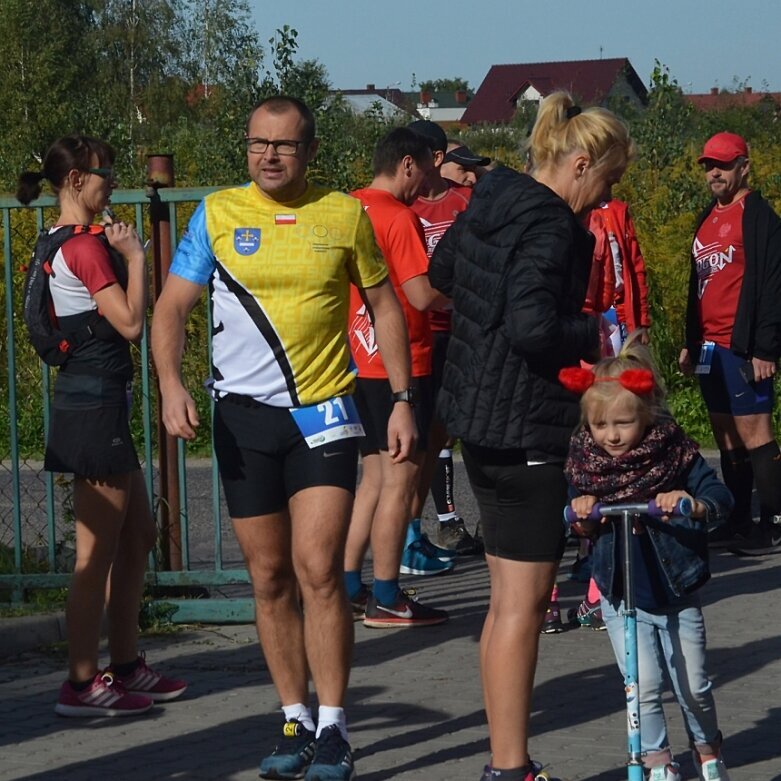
(438, 204)
(384, 495)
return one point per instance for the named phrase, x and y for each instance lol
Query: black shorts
(89, 431)
(374, 401)
(521, 505)
(263, 458)
(439, 342)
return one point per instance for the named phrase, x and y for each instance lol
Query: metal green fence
(36, 524)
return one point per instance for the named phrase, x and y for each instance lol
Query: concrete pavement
(415, 705)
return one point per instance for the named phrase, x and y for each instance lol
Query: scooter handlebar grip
(570, 516)
(683, 509)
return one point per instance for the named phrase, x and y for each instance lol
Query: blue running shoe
(333, 758)
(292, 755)
(420, 558)
(416, 534)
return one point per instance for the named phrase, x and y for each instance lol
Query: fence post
(160, 173)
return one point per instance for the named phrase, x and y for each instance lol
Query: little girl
(629, 449)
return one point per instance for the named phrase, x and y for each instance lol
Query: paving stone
(415, 702)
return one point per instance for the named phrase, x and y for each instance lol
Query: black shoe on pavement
(728, 536)
(552, 624)
(405, 611)
(763, 540)
(454, 536)
(333, 758)
(358, 602)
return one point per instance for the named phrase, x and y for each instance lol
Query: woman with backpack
(97, 278)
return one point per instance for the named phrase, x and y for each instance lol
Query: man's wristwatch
(407, 395)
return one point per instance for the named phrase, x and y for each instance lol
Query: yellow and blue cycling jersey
(279, 284)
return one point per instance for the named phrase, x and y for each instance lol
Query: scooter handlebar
(683, 509)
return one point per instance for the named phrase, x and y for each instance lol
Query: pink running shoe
(144, 680)
(103, 697)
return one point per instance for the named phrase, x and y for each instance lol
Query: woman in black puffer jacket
(516, 264)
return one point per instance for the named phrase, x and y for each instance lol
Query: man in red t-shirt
(733, 337)
(384, 495)
(461, 165)
(438, 204)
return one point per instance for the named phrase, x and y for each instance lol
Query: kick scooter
(628, 513)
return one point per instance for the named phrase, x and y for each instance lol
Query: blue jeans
(672, 639)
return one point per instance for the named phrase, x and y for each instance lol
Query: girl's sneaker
(671, 772)
(144, 680)
(105, 696)
(587, 614)
(535, 773)
(712, 770)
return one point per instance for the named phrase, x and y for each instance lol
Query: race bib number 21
(336, 418)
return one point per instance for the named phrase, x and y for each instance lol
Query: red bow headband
(638, 381)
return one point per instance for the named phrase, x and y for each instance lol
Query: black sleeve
(443, 261)
(693, 335)
(543, 318)
(767, 336)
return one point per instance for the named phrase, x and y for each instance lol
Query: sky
(384, 42)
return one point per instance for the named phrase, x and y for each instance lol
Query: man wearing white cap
(733, 337)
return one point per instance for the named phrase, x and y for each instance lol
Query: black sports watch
(407, 395)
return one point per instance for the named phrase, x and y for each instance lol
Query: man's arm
(422, 296)
(390, 331)
(171, 311)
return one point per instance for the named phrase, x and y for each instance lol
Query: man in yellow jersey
(278, 255)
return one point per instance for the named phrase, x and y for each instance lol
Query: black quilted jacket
(516, 264)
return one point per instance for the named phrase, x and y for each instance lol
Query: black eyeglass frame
(282, 146)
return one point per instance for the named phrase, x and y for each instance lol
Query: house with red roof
(721, 100)
(591, 82)
(443, 107)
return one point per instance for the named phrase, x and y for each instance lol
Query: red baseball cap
(724, 147)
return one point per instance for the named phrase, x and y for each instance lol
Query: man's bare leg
(265, 541)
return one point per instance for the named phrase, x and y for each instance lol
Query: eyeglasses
(106, 173)
(284, 147)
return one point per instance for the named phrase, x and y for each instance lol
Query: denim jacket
(680, 545)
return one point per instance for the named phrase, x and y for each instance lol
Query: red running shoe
(144, 680)
(105, 696)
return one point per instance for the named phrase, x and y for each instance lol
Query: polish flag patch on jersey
(284, 219)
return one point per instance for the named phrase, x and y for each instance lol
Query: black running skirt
(89, 432)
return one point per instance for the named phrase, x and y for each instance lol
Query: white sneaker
(712, 770)
(669, 772)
